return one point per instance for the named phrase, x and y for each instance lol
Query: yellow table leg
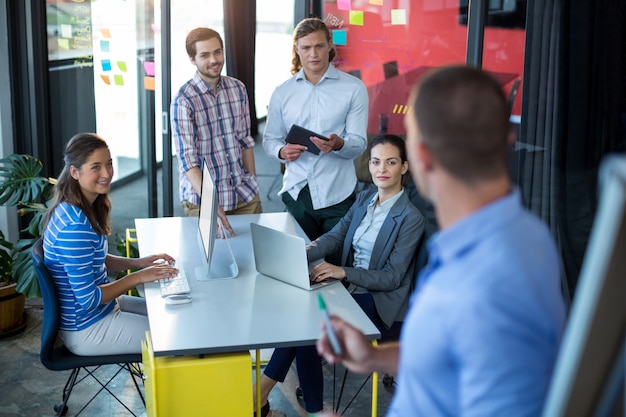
(374, 389)
(128, 242)
(258, 382)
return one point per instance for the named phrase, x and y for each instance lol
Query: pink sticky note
(343, 5)
(149, 68)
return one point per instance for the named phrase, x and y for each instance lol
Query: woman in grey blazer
(378, 240)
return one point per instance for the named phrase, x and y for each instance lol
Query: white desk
(251, 311)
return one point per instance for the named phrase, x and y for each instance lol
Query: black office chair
(56, 357)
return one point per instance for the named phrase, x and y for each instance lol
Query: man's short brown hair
(462, 117)
(198, 35)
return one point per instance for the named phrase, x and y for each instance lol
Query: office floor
(30, 390)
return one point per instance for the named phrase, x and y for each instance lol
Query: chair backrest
(51, 307)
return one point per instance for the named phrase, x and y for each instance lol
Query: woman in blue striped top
(96, 318)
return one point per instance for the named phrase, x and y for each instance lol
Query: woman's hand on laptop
(325, 270)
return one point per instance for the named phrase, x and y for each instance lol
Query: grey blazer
(391, 272)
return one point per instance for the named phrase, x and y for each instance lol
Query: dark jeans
(366, 302)
(308, 362)
(317, 222)
(309, 367)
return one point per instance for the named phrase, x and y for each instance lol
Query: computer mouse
(177, 299)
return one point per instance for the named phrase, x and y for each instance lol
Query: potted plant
(12, 319)
(21, 185)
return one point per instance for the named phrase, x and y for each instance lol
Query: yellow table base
(211, 385)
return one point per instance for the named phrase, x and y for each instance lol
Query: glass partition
(93, 52)
(390, 44)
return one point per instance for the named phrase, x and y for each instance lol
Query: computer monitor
(588, 379)
(219, 262)
(207, 219)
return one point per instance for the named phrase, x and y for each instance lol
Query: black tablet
(298, 134)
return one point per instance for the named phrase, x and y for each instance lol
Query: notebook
(282, 256)
(298, 134)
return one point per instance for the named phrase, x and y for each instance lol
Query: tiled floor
(28, 389)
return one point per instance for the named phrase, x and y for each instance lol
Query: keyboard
(177, 284)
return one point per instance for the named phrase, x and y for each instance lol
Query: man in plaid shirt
(211, 119)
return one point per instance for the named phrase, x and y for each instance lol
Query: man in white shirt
(317, 189)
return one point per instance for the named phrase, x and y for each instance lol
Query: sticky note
(106, 65)
(148, 67)
(148, 83)
(122, 65)
(340, 37)
(106, 33)
(398, 17)
(66, 31)
(356, 18)
(64, 43)
(104, 46)
(376, 2)
(343, 5)
(119, 79)
(106, 79)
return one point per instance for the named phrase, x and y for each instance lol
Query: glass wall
(93, 51)
(389, 44)
(274, 30)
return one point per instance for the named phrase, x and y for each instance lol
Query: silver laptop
(282, 256)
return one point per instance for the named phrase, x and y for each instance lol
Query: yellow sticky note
(376, 2)
(398, 17)
(356, 18)
(121, 65)
(106, 33)
(64, 43)
(119, 79)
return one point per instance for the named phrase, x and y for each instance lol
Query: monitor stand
(223, 264)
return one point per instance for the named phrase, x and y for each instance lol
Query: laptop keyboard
(177, 284)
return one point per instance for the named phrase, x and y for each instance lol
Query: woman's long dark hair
(77, 152)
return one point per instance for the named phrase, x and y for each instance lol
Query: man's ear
(425, 157)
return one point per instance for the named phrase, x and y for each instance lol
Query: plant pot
(12, 316)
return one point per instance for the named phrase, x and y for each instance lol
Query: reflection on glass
(93, 51)
(274, 30)
(390, 45)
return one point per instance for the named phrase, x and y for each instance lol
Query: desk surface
(251, 311)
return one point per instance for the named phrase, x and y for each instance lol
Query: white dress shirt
(337, 104)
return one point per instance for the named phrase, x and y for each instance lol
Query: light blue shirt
(483, 331)
(337, 104)
(367, 232)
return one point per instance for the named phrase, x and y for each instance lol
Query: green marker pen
(332, 336)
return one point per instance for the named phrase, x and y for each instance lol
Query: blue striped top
(75, 255)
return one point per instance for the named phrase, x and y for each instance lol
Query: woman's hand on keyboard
(163, 258)
(156, 272)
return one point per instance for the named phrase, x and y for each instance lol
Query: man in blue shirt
(317, 190)
(483, 330)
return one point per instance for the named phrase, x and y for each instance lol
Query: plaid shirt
(215, 127)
